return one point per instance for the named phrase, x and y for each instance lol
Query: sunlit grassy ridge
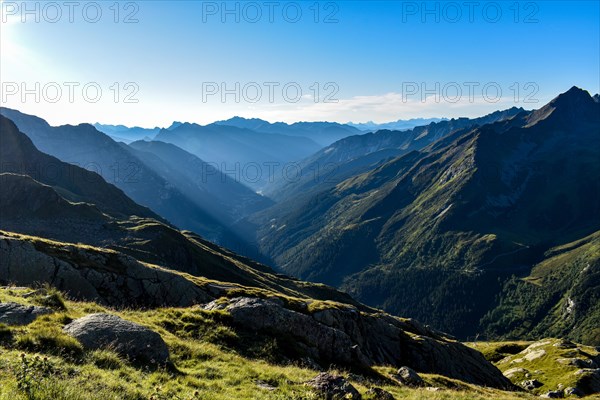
(547, 361)
(560, 297)
(211, 360)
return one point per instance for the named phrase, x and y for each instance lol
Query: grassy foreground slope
(211, 360)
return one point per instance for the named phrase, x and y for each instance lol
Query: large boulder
(334, 387)
(318, 341)
(107, 331)
(388, 340)
(588, 380)
(531, 384)
(19, 314)
(349, 337)
(409, 377)
(553, 394)
(379, 394)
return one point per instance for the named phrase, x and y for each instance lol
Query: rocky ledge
(107, 277)
(330, 334)
(349, 337)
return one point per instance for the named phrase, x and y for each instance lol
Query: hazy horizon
(147, 64)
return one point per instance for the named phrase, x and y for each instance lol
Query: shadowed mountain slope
(435, 233)
(119, 164)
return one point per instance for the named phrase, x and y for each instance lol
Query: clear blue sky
(372, 55)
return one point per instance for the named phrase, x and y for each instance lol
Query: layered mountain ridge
(435, 233)
(141, 175)
(123, 260)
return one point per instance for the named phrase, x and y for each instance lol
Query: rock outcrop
(554, 367)
(409, 377)
(334, 387)
(345, 336)
(19, 314)
(317, 340)
(353, 338)
(531, 384)
(588, 380)
(107, 331)
(379, 394)
(97, 275)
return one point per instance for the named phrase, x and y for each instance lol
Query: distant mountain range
(482, 226)
(249, 157)
(252, 151)
(323, 133)
(399, 125)
(359, 153)
(437, 231)
(145, 178)
(121, 133)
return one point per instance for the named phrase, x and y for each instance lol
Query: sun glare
(11, 52)
(7, 46)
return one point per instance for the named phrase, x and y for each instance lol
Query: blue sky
(378, 61)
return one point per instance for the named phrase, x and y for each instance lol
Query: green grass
(211, 360)
(546, 368)
(49, 296)
(496, 351)
(536, 306)
(46, 336)
(315, 306)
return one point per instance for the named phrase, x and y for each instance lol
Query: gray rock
(531, 384)
(19, 314)
(265, 386)
(350, 338)
(358, 379)
(96, 275)
(379, 394)
(554, 394)
(571, 391)
(106, 331)
(320, 342)
(511, 373)
(534, 355)
(578, 362)
(565, 344)
(407, 376)
(588, 380)
(334, 387)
